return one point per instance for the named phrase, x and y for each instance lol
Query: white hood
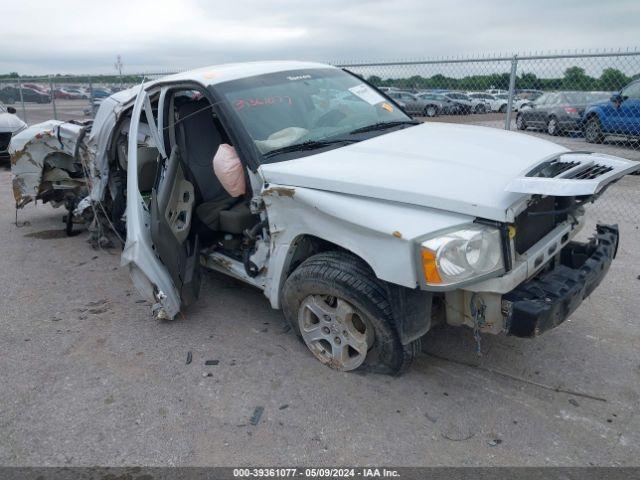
(459, 168)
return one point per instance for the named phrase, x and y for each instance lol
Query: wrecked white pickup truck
(363, 226)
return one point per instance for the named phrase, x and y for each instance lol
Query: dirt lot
(89, 378)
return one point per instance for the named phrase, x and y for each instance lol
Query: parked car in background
(11, 94)
(524, 100)
(494, 104)
(478, 105)
(99, 92)
(557, 112)
(67, 94)
(620, 115)
(446, 105)
(10, 125)
(415, 104)
(78, 92)
(465, 105)
(497, 91)
(37, 87)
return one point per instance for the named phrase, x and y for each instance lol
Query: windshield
(284, 109)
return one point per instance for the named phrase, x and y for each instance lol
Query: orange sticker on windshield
(388, 107)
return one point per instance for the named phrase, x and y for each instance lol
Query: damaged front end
(50, 163)
(548, 299)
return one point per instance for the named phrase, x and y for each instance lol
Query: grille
(592, 172)
(555, 168)
(5, 138)
(551, 169)
(531, 228)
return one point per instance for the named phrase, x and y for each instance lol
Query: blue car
(620, 115)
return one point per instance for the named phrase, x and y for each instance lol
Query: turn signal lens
(430, 267)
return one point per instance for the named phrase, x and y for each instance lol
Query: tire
(593, 130)
(502, 109)
(340, 281)
(480, 108)
(430, 111)
(520, 123)
(553, 128)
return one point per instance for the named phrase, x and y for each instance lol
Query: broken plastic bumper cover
(548, 299)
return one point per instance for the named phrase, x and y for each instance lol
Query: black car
(557, 112)
(11, 94)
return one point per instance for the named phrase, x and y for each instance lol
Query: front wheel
(503, 108)
(520, 123)
(341, 312)
(480, 108)
(593, 131)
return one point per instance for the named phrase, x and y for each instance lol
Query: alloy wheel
(335, 332)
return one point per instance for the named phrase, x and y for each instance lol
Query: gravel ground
(89, 378)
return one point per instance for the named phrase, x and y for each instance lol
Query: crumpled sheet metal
(29, 150)
(99, 140)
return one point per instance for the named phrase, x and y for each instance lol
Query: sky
(85, 36)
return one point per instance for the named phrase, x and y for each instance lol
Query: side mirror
(616, 98)
(11, 110)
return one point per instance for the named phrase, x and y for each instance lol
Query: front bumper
(547, 300)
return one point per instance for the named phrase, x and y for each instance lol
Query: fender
(382, 233)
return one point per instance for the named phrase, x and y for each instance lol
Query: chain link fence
(64, 97)
(585, 101)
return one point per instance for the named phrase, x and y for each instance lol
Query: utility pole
(119, 66)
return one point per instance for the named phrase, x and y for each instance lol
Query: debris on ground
(207, 374)
(282, 407)
(255, 418)
(494, 442)
(189, 357)
(212, 362)
(574, 402)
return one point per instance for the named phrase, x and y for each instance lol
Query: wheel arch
(304, 246)
(411, 307)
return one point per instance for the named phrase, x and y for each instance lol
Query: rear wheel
(480, 108)
(503, 108)
(520, 123)
(430, 111)
(338, 307)
(552, 126)
(593, 130)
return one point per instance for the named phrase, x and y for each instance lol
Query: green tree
(575, 78)
(613, 79)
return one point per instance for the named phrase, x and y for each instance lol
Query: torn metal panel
(38, 156)
(99, 139)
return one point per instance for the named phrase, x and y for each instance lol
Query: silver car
(417, 105)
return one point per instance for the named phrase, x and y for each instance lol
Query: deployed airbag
(228, 169)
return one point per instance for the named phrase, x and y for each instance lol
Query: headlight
(461, 255)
